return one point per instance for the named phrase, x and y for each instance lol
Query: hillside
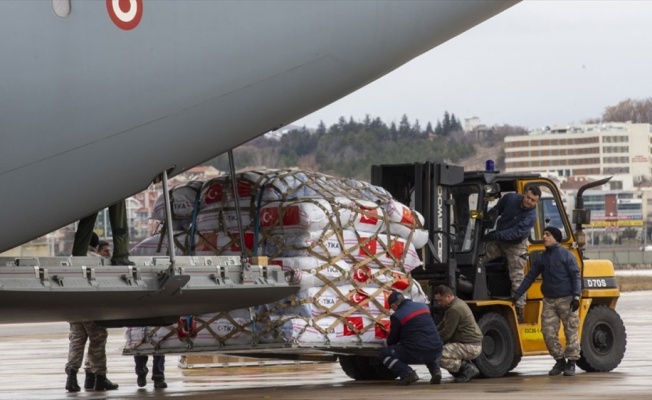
(483, 152)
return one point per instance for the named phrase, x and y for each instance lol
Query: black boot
(435, 376)
(569, 370)
(467, 372)
(89, 382)
(71, 382)
(122, 261)
(141, 380)
(160, 383)
(102, 383)
(559, 367)
(409, 378)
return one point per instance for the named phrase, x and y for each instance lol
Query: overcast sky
(541, 62)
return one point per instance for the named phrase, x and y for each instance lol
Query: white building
(612, 148)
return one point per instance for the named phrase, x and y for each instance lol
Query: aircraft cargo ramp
(50, 289)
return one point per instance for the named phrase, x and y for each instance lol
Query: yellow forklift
(454, 203)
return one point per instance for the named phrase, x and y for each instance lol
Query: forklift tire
(497, 355)
(603, 340)
(362, 368)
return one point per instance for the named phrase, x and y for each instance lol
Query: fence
(625, 258)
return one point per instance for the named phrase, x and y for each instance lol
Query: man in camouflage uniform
(96, 335)
(517, 217)
(461, 336)
(561, 288)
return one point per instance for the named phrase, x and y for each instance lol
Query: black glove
(575, 304)
(513, 299)
(490, 218)
(490, 237)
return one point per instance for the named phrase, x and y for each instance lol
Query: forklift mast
(426, 187)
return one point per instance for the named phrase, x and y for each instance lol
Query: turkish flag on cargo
(353, 326)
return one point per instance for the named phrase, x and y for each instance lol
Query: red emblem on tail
(125, 14)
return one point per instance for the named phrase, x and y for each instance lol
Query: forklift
(455, 205)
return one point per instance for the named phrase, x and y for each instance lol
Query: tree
(636, 111)
(429, 130)
(446, 125)
(367, 121)
(439, 130)
(321, 129)
(455, 125)
(404, 126)
(416, 128)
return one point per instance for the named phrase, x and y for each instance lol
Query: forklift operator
(517, 217)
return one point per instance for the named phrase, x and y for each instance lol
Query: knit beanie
(556, 233)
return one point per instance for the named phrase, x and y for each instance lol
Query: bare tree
(636, 111)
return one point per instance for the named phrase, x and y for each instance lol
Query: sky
(539, 63)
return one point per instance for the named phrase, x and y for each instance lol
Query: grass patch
(634, 283)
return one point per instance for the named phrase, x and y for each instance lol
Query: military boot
(467, 372)
(435, 376)
(102, 383)
(89, 382)
(569, 370)
(71, 382)
(122, 261)
(559, 367)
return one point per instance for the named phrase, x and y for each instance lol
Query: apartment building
(612, 148)
(594, 151)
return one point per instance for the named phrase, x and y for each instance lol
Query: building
(580, 153)
(614, 148)
(139, 209)
(616, 215)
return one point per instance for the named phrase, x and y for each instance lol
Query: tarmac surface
(34, 355)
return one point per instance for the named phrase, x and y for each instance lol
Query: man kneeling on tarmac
(413, 339)
(461, 334)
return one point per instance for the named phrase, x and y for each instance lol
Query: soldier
(461, 335)
(96, 335)
(81, 332)
(413, 338)
(119, 229)
(517, 217)
(561, 288)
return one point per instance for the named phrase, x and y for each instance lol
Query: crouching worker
(461, 334)
(413, 339)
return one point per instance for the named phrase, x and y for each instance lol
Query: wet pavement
(34, 355)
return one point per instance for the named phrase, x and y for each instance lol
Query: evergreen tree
(404, 126)
(455, 125)
(393, 131)
(439, 129)
(446, 125)
(321, 128)
(367, 121)
(429, 130)
(416, 128)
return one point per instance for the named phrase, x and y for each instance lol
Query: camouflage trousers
(96, 335)
(515, 263)
(453, 354)
(554, 311)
